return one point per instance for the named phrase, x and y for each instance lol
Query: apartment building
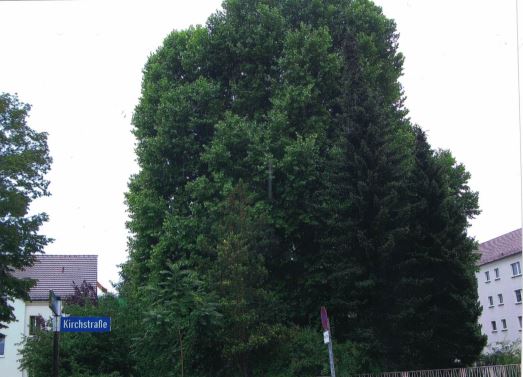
(499, 288)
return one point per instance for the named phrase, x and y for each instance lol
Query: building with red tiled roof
(58, 273)
(499, 288)
(500, 247)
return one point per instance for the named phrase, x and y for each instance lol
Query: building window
(2, 341)
(496, 272)
(487, 277)
(516, 269)
(500, 298)
(36, 322)
(493, 323)
(490, 301)
(504, 324)
(518, 296)
(519, 319)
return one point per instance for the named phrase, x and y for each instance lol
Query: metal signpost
(327, 338)
(55, 304)
(72, 324)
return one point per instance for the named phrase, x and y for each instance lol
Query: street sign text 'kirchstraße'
(85, 324)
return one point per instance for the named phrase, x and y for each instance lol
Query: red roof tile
(58, 272)
(500, 247)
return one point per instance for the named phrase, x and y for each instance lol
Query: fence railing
(512, 370)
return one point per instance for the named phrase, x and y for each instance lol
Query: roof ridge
(500, 247)
(67, 255)
(501, 236)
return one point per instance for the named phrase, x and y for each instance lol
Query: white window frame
(487, 276)
(490, 301)
(500, 299)
(494, 326)
(503, 325)
(34, 324)
(517, 292)
(516, 269)
(496, 273)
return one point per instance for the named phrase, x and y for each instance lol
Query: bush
(303, 354)
(85, 354)
(502, 353)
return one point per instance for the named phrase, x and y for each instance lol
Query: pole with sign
(72, 324)
(55, 304)
(327, 338)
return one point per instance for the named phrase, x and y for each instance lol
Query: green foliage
(81, 374)
(279, 173)
(436, 280)
(502, 353)
(175, 308)
(250, 323)
(86, 354)
(24, 161)
(303, 353)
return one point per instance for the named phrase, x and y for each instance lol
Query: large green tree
(435, 279)
(24, 161)
(250, 325)
(296, 105)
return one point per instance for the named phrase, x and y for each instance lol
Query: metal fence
(512, 370)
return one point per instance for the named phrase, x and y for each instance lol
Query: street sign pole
(331, 358)
(56, 340)
(327, 338)
(71, 324)
(55, 304)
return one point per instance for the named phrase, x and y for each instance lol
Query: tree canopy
(24, 161)
(280, 171)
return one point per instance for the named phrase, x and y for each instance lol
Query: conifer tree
(250, 311)
(435, 282)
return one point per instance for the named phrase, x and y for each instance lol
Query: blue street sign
(85, 324)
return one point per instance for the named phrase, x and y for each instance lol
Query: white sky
(79, 64)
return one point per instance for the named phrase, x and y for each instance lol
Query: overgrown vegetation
(279, 166)
(280, 173)
(502, 353)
